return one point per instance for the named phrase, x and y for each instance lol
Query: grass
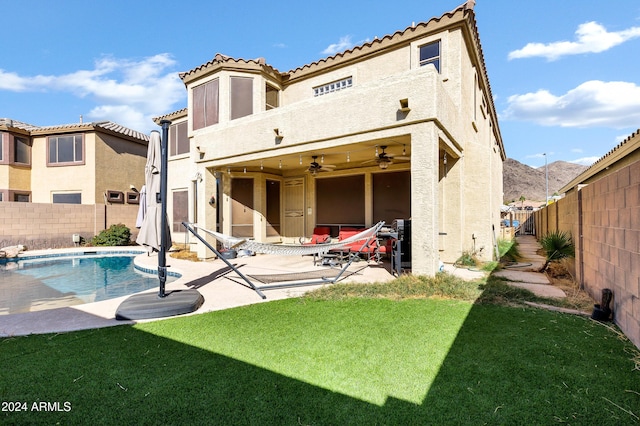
(414, 351)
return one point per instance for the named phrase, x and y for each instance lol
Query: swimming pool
(40, 283)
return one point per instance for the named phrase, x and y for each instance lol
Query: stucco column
(424, 199)
(207, 211)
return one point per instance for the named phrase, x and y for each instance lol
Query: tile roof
(415, 30)
(172, 115)
(221, 59)
(225, 59)
(108, 126)
(8, 122)
(389, 37)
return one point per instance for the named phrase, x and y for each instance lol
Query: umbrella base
(150, 305)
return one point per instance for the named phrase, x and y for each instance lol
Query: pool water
(30, 285)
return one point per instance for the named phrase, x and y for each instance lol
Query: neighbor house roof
(172, 115)
(103, 126)
(625, 148)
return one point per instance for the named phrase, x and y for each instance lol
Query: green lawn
(314, 361)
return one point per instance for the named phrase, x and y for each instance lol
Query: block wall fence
(604, 220)
(43, 226)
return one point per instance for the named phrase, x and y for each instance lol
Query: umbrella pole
(162, 255)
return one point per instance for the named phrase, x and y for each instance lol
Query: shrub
(467, 259)
(557, 245)
(116, 235)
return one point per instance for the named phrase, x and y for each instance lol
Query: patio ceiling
(343, 157)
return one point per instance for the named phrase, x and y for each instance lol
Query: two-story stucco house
(81, 163)
(402, 127)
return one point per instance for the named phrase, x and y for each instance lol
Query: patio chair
(321, 235)
(371, 250)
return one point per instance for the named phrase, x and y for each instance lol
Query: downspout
(580, 239)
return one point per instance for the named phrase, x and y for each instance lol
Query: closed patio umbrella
(148, 305)
(155, 219)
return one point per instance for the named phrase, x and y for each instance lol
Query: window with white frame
(333, 87)
(430, 54)
(65, 150)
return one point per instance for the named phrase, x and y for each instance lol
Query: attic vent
(333, 87)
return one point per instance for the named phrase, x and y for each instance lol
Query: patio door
(293, 197)
(242, 207)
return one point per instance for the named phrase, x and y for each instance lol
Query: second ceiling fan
(316, 167)
(384, 160)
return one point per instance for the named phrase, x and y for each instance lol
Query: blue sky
(564, 74)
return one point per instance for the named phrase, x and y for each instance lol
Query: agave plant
(557, 245)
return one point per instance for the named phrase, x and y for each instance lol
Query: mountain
(522, 180)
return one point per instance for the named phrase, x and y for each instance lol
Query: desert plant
(557, 245)
(467, 259)
(116, 235)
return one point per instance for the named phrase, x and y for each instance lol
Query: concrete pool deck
(221, 288)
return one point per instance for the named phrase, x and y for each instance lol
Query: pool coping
(74, 252)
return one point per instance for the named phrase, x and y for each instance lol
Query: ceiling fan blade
(401, 158)
(375, 160)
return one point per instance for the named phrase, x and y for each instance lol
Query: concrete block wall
(608, 248)
(42, 226)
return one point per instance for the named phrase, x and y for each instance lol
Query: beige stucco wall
(19, 177)
(111, 163)
(47, 180)
(119, 163)
(446, 115)
(361, 109)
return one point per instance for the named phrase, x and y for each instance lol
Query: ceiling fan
(316, 167)
(383, 159)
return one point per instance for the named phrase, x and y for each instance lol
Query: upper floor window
(22, 150)
(333, 87)
(65, 150)
(272, 100)
(430, 54)
(241, 97)
(205, 104)
(178, 139)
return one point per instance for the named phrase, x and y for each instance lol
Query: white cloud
(577, 150)
(591, 38)
(540, 154)
(344, 44)
(594, 103)
(585, 161)
(125, 91)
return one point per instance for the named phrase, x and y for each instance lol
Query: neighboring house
(400, 127)
(82, 163)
